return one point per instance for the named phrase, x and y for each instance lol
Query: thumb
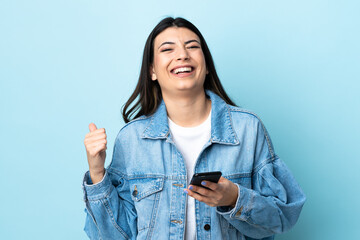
(92, 127)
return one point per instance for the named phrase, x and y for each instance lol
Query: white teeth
(183, 69)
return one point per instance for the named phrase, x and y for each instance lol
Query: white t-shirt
(190, 141)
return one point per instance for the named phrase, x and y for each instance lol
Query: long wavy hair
(147, 95)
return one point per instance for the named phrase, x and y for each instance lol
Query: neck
(188, 111)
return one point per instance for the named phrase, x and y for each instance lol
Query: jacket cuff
(241, 210)
(93, 192)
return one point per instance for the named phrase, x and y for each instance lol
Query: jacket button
(207, 227)
(135, 192)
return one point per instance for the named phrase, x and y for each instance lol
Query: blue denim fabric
(141, 195)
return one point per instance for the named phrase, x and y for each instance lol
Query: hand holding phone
(222, 193)
(207, 176)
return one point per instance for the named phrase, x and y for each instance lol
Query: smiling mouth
(182, 70)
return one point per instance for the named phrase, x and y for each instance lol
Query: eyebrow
(187, 42)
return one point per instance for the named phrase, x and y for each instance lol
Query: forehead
(175, 34)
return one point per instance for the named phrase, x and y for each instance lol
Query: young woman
(185, 123)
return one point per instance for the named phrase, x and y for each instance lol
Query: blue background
(64, 64)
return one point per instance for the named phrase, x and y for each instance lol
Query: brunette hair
(147, 94)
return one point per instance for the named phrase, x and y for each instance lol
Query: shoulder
(134, 128)
(243, 115)
(246, 121)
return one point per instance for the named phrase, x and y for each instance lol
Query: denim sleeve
(274, 203)
(110, 212)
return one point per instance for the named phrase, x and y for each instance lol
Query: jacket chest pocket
(145, 192)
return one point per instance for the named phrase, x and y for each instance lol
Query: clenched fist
(95, 144)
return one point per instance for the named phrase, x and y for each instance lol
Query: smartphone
(207, 176)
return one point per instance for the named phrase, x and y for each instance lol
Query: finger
(202, 191)
(96, 137)
(92, 127)
(92, 146)
(211, 185)
(201, 198)
(96, 132)
(96, 150)
(197, 196)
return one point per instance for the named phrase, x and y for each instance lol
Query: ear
(153, 74)
(207, 71)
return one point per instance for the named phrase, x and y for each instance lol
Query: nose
(183, 54)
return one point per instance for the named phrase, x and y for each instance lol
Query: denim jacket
(141, 195)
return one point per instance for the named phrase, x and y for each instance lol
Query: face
(179, 63)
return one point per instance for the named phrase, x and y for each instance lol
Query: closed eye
(166, 50)
(194, 47)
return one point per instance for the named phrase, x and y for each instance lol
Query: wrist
(97, 175)
(236, 195)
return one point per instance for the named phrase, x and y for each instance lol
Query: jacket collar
(221, 124)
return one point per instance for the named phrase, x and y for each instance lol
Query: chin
(190, 88)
